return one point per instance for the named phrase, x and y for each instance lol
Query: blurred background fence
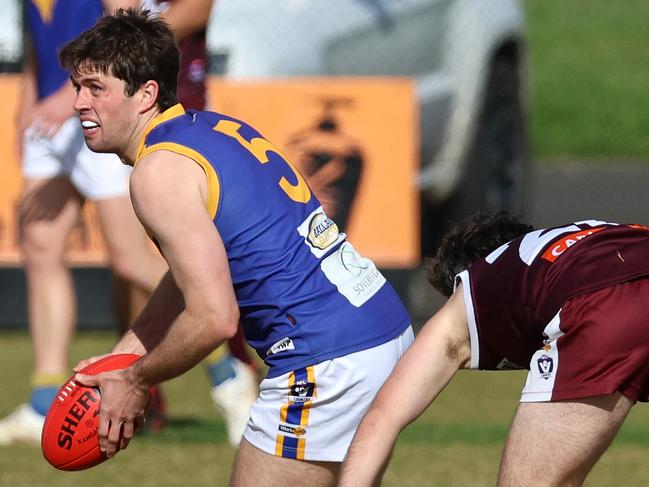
(537, 105)
(506, 99)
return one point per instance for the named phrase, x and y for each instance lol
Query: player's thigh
(121, 228)
(557, 443)
(132, 255)
(255, 468)
(49, 209)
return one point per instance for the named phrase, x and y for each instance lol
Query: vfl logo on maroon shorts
(546, 366)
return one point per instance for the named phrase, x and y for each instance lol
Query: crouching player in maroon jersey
(567, 303)
(246, 238)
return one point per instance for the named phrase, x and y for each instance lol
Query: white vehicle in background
(466, 56)
(11, 47)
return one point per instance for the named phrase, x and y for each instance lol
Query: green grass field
(587, 78)
(456, 443)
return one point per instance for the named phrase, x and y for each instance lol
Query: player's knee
(516, 471)
(124, 267)
(39, 248)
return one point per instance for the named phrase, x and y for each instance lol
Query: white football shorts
(96, 176)
(312, 413)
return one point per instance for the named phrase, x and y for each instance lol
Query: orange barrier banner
(9, 170)
(354, 139)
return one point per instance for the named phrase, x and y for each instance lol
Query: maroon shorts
(601, 346)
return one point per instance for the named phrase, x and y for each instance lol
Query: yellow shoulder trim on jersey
(168, 114)
(213, 184)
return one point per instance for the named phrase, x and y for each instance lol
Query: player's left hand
(51, 113)
(122, 410)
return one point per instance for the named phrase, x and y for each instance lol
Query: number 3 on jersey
(259, 147)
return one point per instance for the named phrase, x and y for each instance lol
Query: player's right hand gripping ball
(70, 439)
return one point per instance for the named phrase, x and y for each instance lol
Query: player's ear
(148, 94)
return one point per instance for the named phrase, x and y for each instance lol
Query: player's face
(108, 117)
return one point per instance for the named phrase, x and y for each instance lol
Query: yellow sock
(41, 379)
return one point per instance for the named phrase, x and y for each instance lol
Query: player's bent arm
(440, 349)
(51, 112)
(151, 326)
(169, 193)
(187, 16)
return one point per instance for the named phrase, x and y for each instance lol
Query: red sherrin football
(69, 440)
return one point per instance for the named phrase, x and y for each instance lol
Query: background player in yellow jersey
(60, 173)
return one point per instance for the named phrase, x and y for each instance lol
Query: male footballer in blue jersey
(245, 237)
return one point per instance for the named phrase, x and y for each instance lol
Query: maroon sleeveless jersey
(512, 294)
(193, 62)
(193, 69)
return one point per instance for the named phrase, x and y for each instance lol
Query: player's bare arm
(152, 325)
(163, 307)
(168, 192)
(187, 17)
(50, 113)
(441, 348)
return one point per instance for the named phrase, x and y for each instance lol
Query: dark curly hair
(131, 45)
(468, 241)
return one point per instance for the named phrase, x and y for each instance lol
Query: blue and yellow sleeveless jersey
(305, 294)
(52, 24)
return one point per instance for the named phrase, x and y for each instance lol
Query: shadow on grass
(191, 429)
(489, 434)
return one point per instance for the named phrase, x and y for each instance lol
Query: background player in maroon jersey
(567, 303)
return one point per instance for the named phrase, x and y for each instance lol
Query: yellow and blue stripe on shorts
(294, 415)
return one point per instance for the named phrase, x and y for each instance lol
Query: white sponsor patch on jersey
(355, 277)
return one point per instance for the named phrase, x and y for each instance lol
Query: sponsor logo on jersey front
(323, 232)
(320, 232)
(545, 365)
(281, 346)
(351, 261)
(635, 226)
(560, 246)
(355, 277)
